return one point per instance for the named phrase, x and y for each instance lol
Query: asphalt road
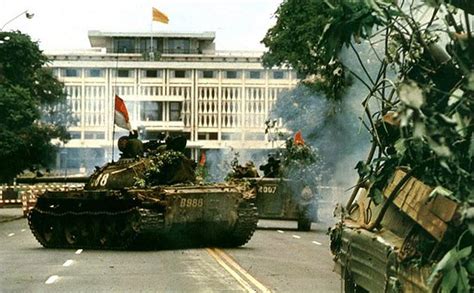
(278, 259)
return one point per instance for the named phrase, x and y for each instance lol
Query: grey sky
(62, 24)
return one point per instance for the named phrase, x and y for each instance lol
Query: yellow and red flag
(159, 16)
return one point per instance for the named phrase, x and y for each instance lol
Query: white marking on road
(317, 243)
(296, 236)
(11, 234)
(280, 231)
(79, 251)
(23, 230)
(68, 263)
(52, 279)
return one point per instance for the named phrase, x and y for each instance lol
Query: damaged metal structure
(374, 245)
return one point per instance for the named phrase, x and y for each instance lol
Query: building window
(123, 73)
(208, 74)
(278, 74)
(255, 74)
(151, 111)
(124, 45)
(175, 111)
(254, 136)
(75, 134)
(147, 46)
(179, 46)
(94, 135)
(231, 74)
(179, 73)
(94, 72)
(71, 72)
(230, 136)
(81, 157)
(152, 73)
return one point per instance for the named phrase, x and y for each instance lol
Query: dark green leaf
(463, 281)
(449, 281)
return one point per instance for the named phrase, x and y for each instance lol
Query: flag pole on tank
(121, 119)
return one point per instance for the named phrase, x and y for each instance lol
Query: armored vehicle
(285, 199)
(151, 194)
(279, 198)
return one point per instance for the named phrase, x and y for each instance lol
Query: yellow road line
(229, 260)
(236, 276)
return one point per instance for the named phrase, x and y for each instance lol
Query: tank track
(91, 230)
(118, 230)
(245, 226)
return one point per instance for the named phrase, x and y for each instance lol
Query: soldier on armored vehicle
(130, 146)
(272, 168)
(246, 171)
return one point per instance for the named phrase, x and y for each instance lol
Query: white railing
(224, 53)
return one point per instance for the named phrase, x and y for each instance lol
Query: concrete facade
(172, 83)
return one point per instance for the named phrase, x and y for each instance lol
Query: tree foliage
(310, 34)
(418, 105)
(32, 103)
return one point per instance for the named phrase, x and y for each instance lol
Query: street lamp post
(26, 13)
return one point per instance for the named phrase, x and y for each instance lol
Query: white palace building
(170, 82)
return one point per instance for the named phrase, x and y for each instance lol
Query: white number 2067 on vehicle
(267, 189)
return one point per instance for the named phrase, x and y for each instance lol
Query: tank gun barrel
(58, 179)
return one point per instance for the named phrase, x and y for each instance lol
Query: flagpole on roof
(152, 53)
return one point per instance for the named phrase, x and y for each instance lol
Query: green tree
(302, 39)
(32, 104)
(418, 104)
(428, 90)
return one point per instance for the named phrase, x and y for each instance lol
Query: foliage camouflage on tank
(153, 196)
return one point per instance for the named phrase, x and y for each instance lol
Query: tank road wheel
(51, 232)
(90, 231)
(128, 228)
(47, 229)
(108, 232)
(95, 231)
(245, 226)
(85, 235)
(72, 232)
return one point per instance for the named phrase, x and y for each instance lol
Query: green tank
(152, 196)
